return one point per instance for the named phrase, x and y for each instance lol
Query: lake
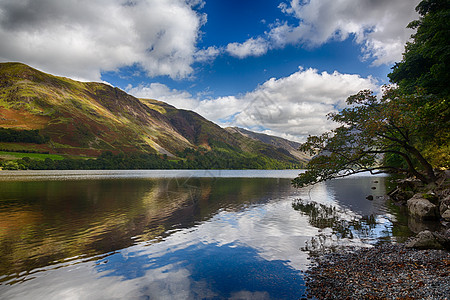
(179, 234)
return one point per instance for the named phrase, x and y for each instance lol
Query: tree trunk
(430, 176)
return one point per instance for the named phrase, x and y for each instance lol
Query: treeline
(25, 151)
(136, 161)
(9, 135)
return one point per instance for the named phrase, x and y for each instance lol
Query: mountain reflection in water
(177, 237)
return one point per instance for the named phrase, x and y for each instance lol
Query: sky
(271, 66)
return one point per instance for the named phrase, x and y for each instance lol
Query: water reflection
(46, 222)
(336, 228)
(355, 212)
(176, 238)
(160, 238)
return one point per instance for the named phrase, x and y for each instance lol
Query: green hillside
(75, 118)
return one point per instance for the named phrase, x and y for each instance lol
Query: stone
(444, 205)
(399, 195)
(443, 238)
(416, 225)
(422, 208)
(424, 240)
(443, 178)
(446, 215)
(410, 184)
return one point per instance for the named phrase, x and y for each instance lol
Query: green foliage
(425, 61)
(407, 129)
(30, 154)
(193, 159)
(10, 135)
(83, 118)
(395, 126)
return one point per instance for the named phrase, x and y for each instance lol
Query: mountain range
(88, 118)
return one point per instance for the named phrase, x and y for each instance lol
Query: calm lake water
(178, 234)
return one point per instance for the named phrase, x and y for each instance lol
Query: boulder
(422, 208)
(443, 238)
(424, 240)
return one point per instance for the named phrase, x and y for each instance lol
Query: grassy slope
(277, 142)
(81, 117)
(15, 155)
(202, 132)
(87, 118)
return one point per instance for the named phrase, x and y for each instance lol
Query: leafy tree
(376, 135)
(10, 135)
(406, 130)
(426, 58)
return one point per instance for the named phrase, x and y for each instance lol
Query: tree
(376, 135)
(426, 58)
(406, 130)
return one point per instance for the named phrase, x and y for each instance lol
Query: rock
(416, 225)
(446, 215)
(444, 205)
(422, 208)
(431, 196)
(443, 178)
(424, 240)
(410, 184)
(370, 197)
(400, 195)
(443, 238)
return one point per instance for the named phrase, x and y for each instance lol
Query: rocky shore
(387, 271)
(416, 269)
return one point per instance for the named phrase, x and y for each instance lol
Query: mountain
(280, 143)
(88, 118)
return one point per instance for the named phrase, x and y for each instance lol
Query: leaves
(377, 134)
(425, 60)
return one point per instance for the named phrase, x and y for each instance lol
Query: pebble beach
(386, 271)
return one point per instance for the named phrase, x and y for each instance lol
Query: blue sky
(271, 66)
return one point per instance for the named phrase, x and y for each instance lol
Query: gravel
(387, 271)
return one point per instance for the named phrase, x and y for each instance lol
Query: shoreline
(386, 271)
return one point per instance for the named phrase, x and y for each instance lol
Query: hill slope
(289, 146)
(81, 118)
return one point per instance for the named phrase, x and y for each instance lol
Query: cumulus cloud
(159, 91)
(378, 26)
(251, 47)
(297, 105)
(291, 107)
(81, 38)
(208, 54)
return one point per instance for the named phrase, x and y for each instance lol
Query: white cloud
(378, 26)
(251, 47)
(292, 107)
(297, 105)
(208, 54)
(81, 38)
(158, 91)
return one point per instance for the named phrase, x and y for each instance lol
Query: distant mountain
(87, 118)
(277, 142)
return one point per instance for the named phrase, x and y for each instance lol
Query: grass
(16, 155)
(13, 147)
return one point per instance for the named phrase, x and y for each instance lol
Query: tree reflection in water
(337, 227)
